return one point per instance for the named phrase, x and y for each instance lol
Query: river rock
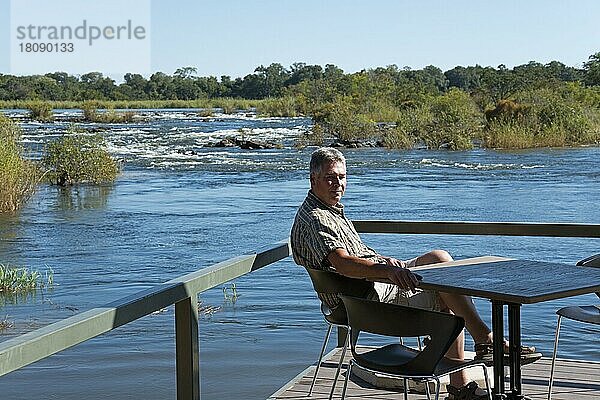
(254, 145)
(355, 144)
(243, 144)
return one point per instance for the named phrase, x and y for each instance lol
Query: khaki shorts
(390, 293)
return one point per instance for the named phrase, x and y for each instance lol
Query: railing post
(187, 349)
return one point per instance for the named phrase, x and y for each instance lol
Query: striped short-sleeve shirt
(318, 230)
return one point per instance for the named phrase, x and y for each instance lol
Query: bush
(76, 158)
(312, 137)
(550, 118)
(344, 120)
(18, 176)
(397, 138)
(449, 121)
(456, 120)
(41, 111)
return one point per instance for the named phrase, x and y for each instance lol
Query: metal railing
(480, 228)
(23, 350)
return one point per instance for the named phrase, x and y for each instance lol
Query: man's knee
(435, 256)
(442, 255)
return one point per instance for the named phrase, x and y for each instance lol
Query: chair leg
(348, 372)
(405, 384)
(337, 373)
(487, 382)
(438, 385)
(427, 391)
(312, 385)
(550, 382)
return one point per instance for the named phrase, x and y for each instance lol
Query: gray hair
(325, 155)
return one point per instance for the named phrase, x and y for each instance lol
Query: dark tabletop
(513, 281)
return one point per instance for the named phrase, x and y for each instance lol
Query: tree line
(276, 80)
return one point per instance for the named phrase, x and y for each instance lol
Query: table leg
(498, 332)
(514, 337)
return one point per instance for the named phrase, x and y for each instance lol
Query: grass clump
(110, 116)
(18, 176)
(41, 111)
(77, 158)
(206, 112)
(230, 297)
(227, 107)
(6, 324)
(278, 107)
(15, 280)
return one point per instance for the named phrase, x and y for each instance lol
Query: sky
(232, 38)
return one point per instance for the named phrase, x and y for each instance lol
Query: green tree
(97, 87)
(468, 79)
(592, 70)
(271, 79)
(70, 85)
(300, 72)
(210, 86)
(135, 87)
(160, 87)
(186, 72)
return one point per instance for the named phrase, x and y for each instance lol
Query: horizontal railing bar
(23, 350)
(217, 274)
(479, 228)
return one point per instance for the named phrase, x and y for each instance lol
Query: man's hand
(393, 261)
(392, 270)
(403, 277)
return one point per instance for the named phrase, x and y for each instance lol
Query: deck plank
(574, 379)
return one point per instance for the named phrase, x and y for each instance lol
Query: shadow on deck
(573, 380)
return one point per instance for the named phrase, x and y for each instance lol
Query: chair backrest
(592, 261)
(334, 284)
(401, 321)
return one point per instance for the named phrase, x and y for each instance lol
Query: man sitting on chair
(323, 238)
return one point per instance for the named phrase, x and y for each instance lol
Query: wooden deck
(573, 380)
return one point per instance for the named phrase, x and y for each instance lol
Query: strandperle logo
(88, 32)
(76, 36)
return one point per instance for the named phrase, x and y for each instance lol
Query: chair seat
(588, 314)
(392, 359)
(336, 316)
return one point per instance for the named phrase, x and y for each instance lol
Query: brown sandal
(485, 352)
(466, 392)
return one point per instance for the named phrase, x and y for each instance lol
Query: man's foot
(471, 391)
(485, 352)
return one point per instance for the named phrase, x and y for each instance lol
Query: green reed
(18, 176)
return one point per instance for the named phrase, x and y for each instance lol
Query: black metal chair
(331, 283)
(396, 359)
(586, 314)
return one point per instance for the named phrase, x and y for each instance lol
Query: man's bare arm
(356, 267)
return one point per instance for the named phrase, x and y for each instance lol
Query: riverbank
(566, 117)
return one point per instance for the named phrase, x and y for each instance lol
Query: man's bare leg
(462, 306)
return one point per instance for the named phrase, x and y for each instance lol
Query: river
(179, 206)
